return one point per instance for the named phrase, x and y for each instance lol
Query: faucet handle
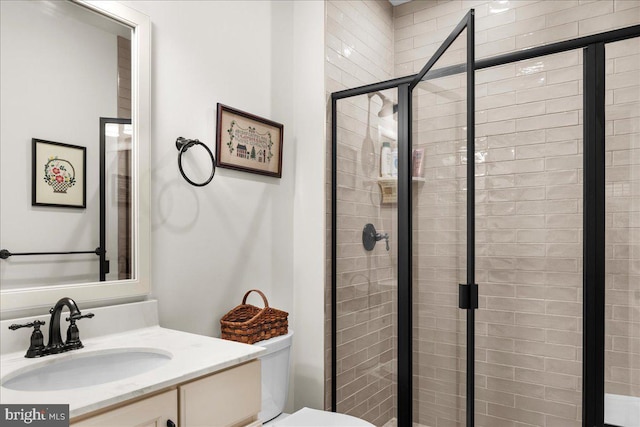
(385, 236)
(35, 324)
(36, 345)
(79, 316)
(73, 334)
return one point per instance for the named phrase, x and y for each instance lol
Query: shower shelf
(389, 188)
(395, 180)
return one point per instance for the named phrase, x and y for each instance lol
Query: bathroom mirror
(64, 66)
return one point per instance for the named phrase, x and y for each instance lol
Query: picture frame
(248, 143)
(58, 174)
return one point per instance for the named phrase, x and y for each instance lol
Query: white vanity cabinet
(154, 411)
(229, 398)
(201, 382)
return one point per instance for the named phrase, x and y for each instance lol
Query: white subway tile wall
(366, 280)
(529, 213)
(124, 78)
(529, 205)
(359, 50)
(502, 26)
(622, 268)
(439, 246)
(539, 278)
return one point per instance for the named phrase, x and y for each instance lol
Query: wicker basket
(248, 324)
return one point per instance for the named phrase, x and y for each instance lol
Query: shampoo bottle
(418, 162)
(385, 160)
(394, 162)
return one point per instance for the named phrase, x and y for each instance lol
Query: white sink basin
(75, 370)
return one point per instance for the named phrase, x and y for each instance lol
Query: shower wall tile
(513, 29)
(622, 18)
(550, 92)
(545, 407)
(501, 28)
(529, 223)
(529, 207)
(622, 325)
(124, 78)
(547, 35)
(542, 8)
(359, 50)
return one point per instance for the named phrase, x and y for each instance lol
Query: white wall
(242, 231)
(309, 203)
(50, 94)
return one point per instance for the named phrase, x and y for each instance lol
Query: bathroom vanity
(133, 372)
(228, 398)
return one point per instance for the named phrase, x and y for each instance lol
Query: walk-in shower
(510, 294)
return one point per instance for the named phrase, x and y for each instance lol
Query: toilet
(275, 385)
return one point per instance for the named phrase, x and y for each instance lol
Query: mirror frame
(94, 292)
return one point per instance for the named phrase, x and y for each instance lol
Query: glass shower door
(366, 282)
(529, 242)
(444, 294)
(622, 234)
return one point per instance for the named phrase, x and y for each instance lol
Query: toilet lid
(307, 417)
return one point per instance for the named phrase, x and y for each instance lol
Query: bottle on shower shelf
(385, 160)
(418, 162)
(394, 162)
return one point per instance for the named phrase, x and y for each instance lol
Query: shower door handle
(468, 296)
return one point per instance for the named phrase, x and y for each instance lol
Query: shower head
(388, 107)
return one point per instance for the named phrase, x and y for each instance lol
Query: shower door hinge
(468, 296)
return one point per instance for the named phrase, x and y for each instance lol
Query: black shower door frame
(468, 292)
(593, 220)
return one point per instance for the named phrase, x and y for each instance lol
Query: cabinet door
(152, 412)
(228, 398)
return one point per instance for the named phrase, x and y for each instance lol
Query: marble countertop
(192, 356)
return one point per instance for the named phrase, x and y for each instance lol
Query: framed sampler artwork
(248, 143)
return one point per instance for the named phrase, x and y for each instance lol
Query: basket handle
(244, 300)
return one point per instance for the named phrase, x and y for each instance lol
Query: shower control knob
(370, 237)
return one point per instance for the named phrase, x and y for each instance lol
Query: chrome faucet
(55, 345)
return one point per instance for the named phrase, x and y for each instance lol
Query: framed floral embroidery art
(58, 174)
(248, 143)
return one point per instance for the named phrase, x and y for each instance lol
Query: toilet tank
(275, 375)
